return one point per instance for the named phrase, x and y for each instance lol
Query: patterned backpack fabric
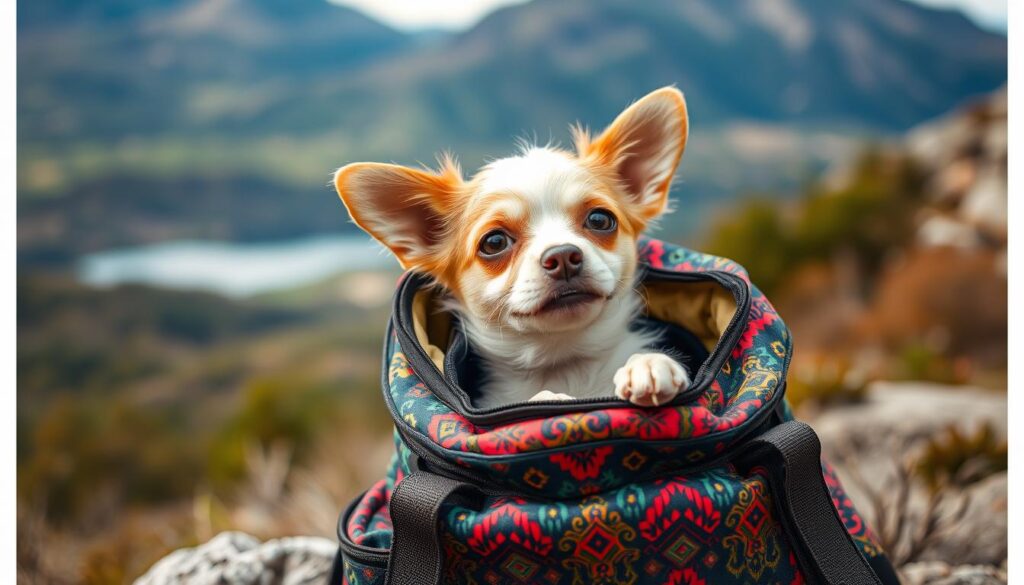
(719, 486)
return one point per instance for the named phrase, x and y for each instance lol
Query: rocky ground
(965, 154)
(950, 535)
(866, 441)
(235, 558)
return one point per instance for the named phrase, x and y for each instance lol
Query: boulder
(981, 535)
(235, 558)
(939, 573)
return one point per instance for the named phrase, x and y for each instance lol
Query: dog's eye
(494, 243)
(600, 220)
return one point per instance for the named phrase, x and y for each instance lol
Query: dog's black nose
(562, 262)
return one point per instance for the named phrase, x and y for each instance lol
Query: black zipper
(427, 459)
(376, 557)
(457, 399)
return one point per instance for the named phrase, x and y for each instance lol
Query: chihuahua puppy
(537, 253)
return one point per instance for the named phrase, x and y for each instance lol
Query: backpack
(719, 486)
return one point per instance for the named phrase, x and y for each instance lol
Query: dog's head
(537, 242)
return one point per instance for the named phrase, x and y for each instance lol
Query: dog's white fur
(434, 222)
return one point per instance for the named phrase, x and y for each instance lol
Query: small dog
(538, 254)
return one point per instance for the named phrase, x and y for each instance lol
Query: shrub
(943, 302)
(822, 381)
(957, 457)
(273, 410)
(866, 218)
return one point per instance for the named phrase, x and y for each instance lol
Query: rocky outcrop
(982, 535)
(939, 573)
(904, 412)
(868, 441)
(965, 156)
(234, 558)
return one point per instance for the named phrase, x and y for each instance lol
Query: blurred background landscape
(199, 324)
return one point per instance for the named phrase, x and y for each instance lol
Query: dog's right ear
(405, 209)
(643, 145)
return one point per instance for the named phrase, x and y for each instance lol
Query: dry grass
(911, 509)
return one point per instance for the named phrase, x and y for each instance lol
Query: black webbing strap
(824, 547)
(415, 505)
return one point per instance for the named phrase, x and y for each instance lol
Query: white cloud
(459, 14)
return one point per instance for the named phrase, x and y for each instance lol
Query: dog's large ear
(404, 209)
(643, 146)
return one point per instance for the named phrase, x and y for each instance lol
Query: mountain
(216, 94)
(253, 66)
(883, 64)
(108, 69)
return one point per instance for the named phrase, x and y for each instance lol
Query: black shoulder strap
(823, 545)
(415, 507)
(824, 548)
(336, 576)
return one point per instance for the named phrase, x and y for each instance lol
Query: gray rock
(964, 156)
(943, 230)
(939, 573)
(981, 537)
(985, 202)
(901, 413)
(234, 558)
(866, 440)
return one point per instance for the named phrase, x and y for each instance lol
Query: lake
(235, 269)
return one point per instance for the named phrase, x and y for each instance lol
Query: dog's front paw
(549, 395)
(650, 379)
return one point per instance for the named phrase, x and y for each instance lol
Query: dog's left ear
(643, 146)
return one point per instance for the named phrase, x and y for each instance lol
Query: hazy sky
(989, 13)
(463, 13)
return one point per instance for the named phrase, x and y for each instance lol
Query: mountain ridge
(886, 64)
(119, 101)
